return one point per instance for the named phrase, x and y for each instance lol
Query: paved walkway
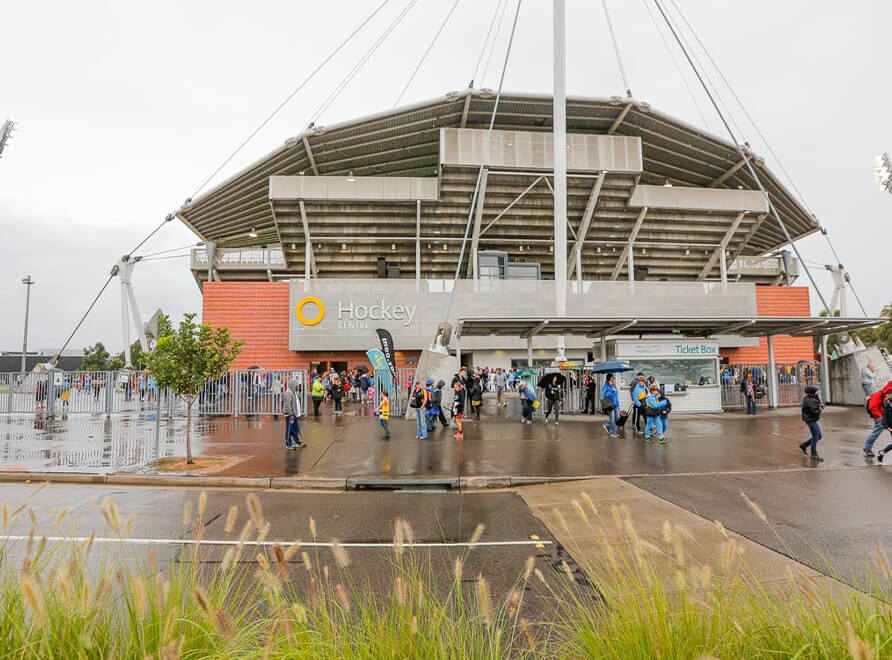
(498, 446)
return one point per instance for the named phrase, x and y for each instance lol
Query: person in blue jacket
(608, 391)
(638, 394)
(434, 397)
(527, 397)
(653, 407)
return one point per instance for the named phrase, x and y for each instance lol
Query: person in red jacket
(875, 407)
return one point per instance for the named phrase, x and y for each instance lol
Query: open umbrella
(361, 368)
(548, 377)
(612, 367)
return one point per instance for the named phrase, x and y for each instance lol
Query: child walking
(458, 409)
(383, 412)
(652, 409)
(811, 414)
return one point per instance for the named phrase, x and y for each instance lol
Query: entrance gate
(792, 379)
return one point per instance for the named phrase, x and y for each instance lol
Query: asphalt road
(832, 520)
(443, 519)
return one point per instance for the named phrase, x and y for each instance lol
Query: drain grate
(407, 484)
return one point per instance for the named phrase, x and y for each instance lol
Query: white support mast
(124, 270)
(560, 165)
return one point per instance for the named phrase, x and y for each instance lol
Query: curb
(281, 483)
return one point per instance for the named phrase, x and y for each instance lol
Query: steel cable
(426, 53)
(619, 59)
(492, 23)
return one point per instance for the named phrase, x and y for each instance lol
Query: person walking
(418, 401)
(500, 380)
(438, 397)
(458, 408)
(475, 393)
(553, 395)
(318, 394)
(638, 392)
(748, 389)
(589, 385)
(811, 414)
(363, 387)
(383, 412)
(875, 409)
(337, 395)
(609, 404)
(887, 423)
(512, 379)
(432, 407)
(291, 412)
(528, 401)
(652, 409)
(664, 413)
(868, 374)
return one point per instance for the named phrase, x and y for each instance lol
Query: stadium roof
(406, 142)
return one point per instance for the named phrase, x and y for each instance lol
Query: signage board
(681, 348)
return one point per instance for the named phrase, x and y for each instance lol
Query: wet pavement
(369, 517)
(352, 446)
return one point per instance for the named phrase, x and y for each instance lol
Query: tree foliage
(188, 356)
(96, 357)
(880, 336)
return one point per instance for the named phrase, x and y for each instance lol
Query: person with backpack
(887, 423)
(589, 385)
(553, 395)
(638, 392)
(475, 394)
(652, 409)
(363, 387)
(609, 404)
(432, 407)
(418, 401)
(528, 401)
(318, 394)
(811, 414)
(291, 413)
(458, 408)
(874, 407)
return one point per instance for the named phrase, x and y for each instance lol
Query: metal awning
(595, 327)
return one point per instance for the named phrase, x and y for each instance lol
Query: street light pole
(27, 281)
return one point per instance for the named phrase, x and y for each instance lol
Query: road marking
(308, 544)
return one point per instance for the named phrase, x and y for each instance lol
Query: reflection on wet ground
(352, 445)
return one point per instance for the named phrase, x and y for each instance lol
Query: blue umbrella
(612, 367)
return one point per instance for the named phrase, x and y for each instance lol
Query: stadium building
(673, 255)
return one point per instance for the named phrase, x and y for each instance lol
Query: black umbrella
(547, 378)
(612, 367)
(361, 368)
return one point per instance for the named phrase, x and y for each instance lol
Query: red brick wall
(257, 314)
(777, 301)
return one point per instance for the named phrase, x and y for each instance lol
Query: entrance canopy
(596, 327)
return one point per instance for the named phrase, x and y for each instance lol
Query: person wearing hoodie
(432, 409)
(653, 406)
(638, 392)
(291, 413)
(875, 409)
(438, 396)
(811, 414)
(528, 401)
(887, 423)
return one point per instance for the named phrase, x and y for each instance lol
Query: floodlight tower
(6, 130)
(882, 169)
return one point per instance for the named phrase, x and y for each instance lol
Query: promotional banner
(387, 348)
(377, 359)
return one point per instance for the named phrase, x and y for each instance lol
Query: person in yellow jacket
(318, 394)
(383, 412)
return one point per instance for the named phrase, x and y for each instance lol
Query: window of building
(675, 372)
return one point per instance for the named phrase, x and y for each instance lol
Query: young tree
(95, 358)
(184, 359)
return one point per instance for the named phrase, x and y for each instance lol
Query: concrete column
(603, 348)
(631, 261)
(723, 264)
(772, 375)
(530, 352)
(417, 240)
(825, 371)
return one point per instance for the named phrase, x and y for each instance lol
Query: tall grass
(640, 599)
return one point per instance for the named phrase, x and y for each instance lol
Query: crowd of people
(648, 414)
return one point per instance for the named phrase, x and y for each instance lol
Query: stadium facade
(355, 226)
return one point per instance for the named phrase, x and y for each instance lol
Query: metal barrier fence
(792, 379)
(398, 392)
(251, 392)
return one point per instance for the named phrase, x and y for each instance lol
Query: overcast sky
(125, 108)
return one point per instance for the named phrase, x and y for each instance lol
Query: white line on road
(308, 544)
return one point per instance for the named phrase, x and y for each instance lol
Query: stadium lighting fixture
(668, 184)
(252, 233)
(351, 178)
(882, 169)
(6, 129)
(393, 246)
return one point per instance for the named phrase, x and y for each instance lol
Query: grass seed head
(341, 593)
(202, 602)
(483, 600)
(256, 510)
(513, 602)
(262, 534)
(457, 569)
(279, 554)
(755, 508)
(568, 571)
(224, 627)
(230, 519)
(528, 567)
(32, 516)
(882, 565)
(187, 514)
(528, 634)
(857, 647)
(588, 502)
(262, 561)
(228, 556)
(478, 533)
(307, 563)
(560, 516)
(580, 511)
(29, 591)
(400, 590)
(340, 554)
(202, 503)
(292, 550)
(312, 527)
